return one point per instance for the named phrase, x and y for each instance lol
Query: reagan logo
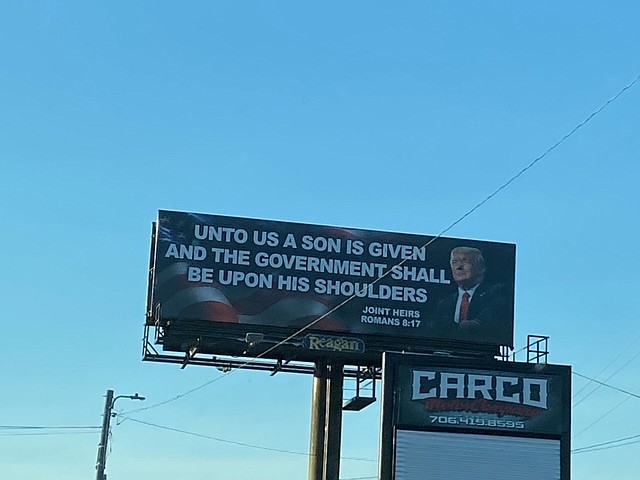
(333, 344)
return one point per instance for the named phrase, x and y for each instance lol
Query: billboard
(462, 398)
(468, 418)
(357, 287)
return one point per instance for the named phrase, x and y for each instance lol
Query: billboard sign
(461, 398)
(402, 289)
(441, 404)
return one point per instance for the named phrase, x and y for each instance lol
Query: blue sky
(397, 117)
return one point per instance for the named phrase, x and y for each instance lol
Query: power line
(590, 448)
(45, 427)
(601, 384)
(209, 437)
(42, 434)
(604, 369)
(601, 417)
(607, 385)
(451, 226)
(45, 430)
(232, 442)
(607, 445)
(630, 394)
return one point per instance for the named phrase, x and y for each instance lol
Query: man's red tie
(464, 307)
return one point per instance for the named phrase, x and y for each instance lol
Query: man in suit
(477, 310)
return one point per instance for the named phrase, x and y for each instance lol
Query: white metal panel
(461, 456)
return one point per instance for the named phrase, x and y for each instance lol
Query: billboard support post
(318, 420)
(334, 420)
(326, 420)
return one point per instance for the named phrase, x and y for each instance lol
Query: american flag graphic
(175, 297)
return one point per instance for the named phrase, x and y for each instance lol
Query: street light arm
(131, 397)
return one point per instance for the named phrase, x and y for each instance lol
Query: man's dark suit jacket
(490, 316)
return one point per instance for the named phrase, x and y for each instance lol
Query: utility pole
(104, 437)
(109, 402)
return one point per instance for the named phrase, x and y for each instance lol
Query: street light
(135, 396)
(104, 437)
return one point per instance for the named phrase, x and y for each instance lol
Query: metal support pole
(334, 420)
(104, 437)
(318, 421)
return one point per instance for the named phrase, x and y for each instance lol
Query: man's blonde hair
(474, 252)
